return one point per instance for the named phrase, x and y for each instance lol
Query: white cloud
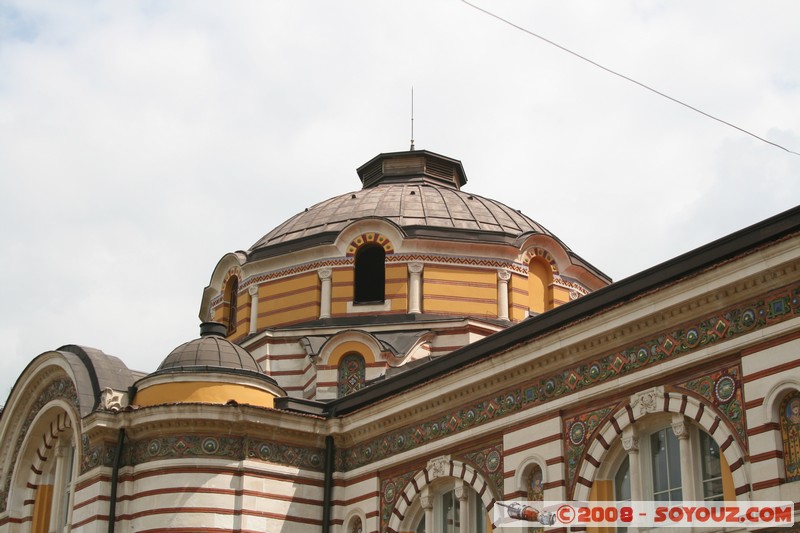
(140, 141)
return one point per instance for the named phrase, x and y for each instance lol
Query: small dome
(211, 351)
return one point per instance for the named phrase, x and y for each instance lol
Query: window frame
(643, 431)
(369, 275)
(476, 512)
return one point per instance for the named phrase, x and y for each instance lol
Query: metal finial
(412, 118)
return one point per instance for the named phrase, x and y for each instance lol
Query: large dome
(420, 192)
(409, 247)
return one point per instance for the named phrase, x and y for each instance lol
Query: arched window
(659, 472)
(622, 481)
(370, 274)
(65, 477)
(710, 467)
(352, 374)
(665, 462)
(790, 434)
(53, 499)
(231, 296)
(449, 507)
(540, 286)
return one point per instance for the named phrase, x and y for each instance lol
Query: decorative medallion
(390, 488)
(748, 318)
(577, 433)
(153, 448)
(721, 390)
(692, 337)
(493, 461)
(725, 388)
(315, 460)
(264, 451)
(489, 463)
(210, 445)
(389, 492)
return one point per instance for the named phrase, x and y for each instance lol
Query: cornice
(710, 291)
(157, 421)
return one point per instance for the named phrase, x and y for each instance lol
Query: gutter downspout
(112, 511)
(112, 505)
(328, 486)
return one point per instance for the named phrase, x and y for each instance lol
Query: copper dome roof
(418, 191)
(210, 352)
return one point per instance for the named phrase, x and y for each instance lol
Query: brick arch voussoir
(370, 238)
(543, 255)
(705, 416)
(44, 451)
(425, 477)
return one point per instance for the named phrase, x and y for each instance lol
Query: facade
(402, 357)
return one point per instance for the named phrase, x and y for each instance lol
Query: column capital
(461, 494)
(253, 290)
(415, 267)
(630, 444)
(325, 273)
(425, 499)
(503, 274)
(679, 427)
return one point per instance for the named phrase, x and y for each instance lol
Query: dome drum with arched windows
(410, 251)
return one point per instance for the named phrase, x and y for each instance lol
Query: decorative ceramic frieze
(776, 307)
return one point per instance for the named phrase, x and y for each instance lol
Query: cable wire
(624, 77)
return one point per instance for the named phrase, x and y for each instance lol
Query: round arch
(55, 423)
(438, 468)
(230, 264)
(524, 471)
(704, 416)
(370, 230)
(31, 484)
(346, 342)
(352, 516)
(774, 396)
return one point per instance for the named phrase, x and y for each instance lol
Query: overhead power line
(626, 78)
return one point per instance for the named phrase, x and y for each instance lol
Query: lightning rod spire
(412, 118)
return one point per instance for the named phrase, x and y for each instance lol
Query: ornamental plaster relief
(438, 467)
(112, 400)
(647, 401)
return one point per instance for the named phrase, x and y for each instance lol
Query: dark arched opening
(370, 274)
(231, 295)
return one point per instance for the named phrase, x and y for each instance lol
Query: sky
(141, 141)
